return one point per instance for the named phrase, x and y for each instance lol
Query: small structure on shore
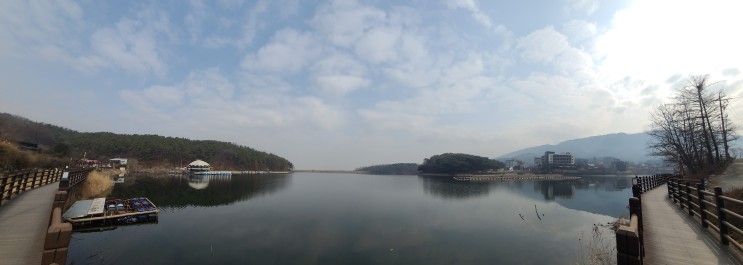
(118, 162)
(198, 166)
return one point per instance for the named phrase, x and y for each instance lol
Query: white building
(198, 166)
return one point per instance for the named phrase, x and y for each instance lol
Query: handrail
(731, 199)
(682, 196)
(14, 183)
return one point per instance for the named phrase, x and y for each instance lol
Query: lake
(322, 218)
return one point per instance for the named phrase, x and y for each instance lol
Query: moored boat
(111, 211)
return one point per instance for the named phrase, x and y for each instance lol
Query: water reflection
(213, 190)
(322, 218)
(556, 189)
(448, 188)
(597, 194)
(200, 182)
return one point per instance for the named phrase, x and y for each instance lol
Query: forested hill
(391, 169)
(148, 150)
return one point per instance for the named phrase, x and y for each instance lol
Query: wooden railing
(58, 234)
(630, 246)
(73, 177)
(713, 209)
(14, 183)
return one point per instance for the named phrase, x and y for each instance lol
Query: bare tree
(693, 129)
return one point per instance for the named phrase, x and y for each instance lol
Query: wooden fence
(73, 177)
(713, 209)
(14, 183)
(630, 246)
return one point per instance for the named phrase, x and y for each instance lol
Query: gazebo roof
(198, 163)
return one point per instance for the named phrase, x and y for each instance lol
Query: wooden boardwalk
(23, 224)
(671, 236)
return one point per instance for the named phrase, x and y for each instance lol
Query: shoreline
(517, 177)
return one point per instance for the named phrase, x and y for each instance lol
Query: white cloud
(195, 18)
(25, 25)
(55, 31)
(472, 7)
(339, 74)
(543, 45)
(343, 22)
(289, 51)
(579, 30)
(587, 7)
(340, 84)
(132, 45)
(208, 99)
(378, 45)
(693, 39)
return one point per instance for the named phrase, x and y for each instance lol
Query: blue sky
(341, 84)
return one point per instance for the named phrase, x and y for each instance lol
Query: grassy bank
(12, 158)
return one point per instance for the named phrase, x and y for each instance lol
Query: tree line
(148, 150)
(694, 131)
(454, 163)
(391, 169)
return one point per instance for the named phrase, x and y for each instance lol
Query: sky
(343, 84)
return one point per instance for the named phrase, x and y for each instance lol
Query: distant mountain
(628, 147)
(148, 150)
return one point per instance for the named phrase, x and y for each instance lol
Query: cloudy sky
(341, 84)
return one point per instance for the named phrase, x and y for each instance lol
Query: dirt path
(733, 176)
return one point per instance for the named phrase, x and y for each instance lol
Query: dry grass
(598, 249)
(97, 185)
(12, 158)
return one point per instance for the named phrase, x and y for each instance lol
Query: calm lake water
(316, 218)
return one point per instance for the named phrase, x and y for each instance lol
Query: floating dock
(513, 177)
(108, 212)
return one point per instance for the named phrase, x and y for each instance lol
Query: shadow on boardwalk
(671, 236)
(23, 223)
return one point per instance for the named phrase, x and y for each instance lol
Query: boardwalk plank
(23, 222)
(671, 236)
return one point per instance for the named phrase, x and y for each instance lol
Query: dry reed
(98, 184)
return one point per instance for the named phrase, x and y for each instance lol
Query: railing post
(636, 192)
(688, 198)
(3, 182)
(24, 179)
(36, 178)
(702, 212)
(720, 203)
(635, 206)
(14, 187)
(670, 190)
